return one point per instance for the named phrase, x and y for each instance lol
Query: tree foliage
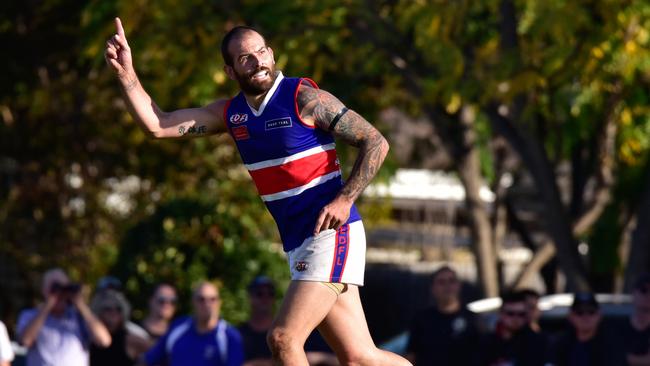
(82, 187)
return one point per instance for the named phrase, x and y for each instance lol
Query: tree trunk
(469, 170)
(639, 260)
(539, 260)
(468, 165)
(556, 218)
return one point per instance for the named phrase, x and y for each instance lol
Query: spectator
(113, 310)
(636, 331)
(201, 340)
(444, 333)
(162, 307)
(587, 342)
(6, 352)
(513, 342)
(60, 330)
(113, 284)
(261, 295)
(532, 309)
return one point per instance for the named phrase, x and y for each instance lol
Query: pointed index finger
(120, 29)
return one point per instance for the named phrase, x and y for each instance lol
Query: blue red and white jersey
(294, 165)
(183, 345)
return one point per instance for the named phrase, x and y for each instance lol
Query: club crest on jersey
(238, 118)
(277, 123)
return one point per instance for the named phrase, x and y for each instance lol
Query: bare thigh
(345, 327)
(305, 305)
(346, 331)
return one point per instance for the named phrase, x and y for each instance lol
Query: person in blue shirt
(199, 340)
(61, 329)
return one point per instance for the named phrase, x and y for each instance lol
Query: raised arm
(98, 332)
(320, 108)
(156, 122)
(29, 329)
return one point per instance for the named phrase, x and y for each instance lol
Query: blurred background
(519, 131)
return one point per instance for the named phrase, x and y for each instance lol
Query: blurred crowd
(65, 329)
(447, 333)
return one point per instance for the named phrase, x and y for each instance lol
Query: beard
(251, 86)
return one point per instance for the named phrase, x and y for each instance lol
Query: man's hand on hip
(334, 215)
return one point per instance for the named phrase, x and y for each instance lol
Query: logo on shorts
(301, 266)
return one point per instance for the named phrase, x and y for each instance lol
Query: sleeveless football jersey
(294, 166)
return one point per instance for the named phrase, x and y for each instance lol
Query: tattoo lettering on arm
(192, 130)
(320, 108)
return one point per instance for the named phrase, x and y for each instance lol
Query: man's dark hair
(512, 296)
(234, 33)
(442, 269)
(162, 284)
(529, 292)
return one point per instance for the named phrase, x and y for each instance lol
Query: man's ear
(230, 72)
(272, 56)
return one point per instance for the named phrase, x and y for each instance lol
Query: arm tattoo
(372, 150)
(318, 105)
(130, 83)
(322, 107)
(192, 130)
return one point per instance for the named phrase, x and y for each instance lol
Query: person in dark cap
(261, 296)
(636, 331)
(587, 342)
(513, 342)
(532, 309)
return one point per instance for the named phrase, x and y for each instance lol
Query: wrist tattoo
(130, 84)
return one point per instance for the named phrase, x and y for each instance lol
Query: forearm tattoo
(372, 151)
(321, 107)
(192, 130)
(130, 83)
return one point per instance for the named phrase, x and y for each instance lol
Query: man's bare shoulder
(306, 92)
(316, 106)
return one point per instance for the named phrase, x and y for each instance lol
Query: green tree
(81, 181)
(82, 187)
(560, 82)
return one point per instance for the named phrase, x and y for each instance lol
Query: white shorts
(331, 256)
